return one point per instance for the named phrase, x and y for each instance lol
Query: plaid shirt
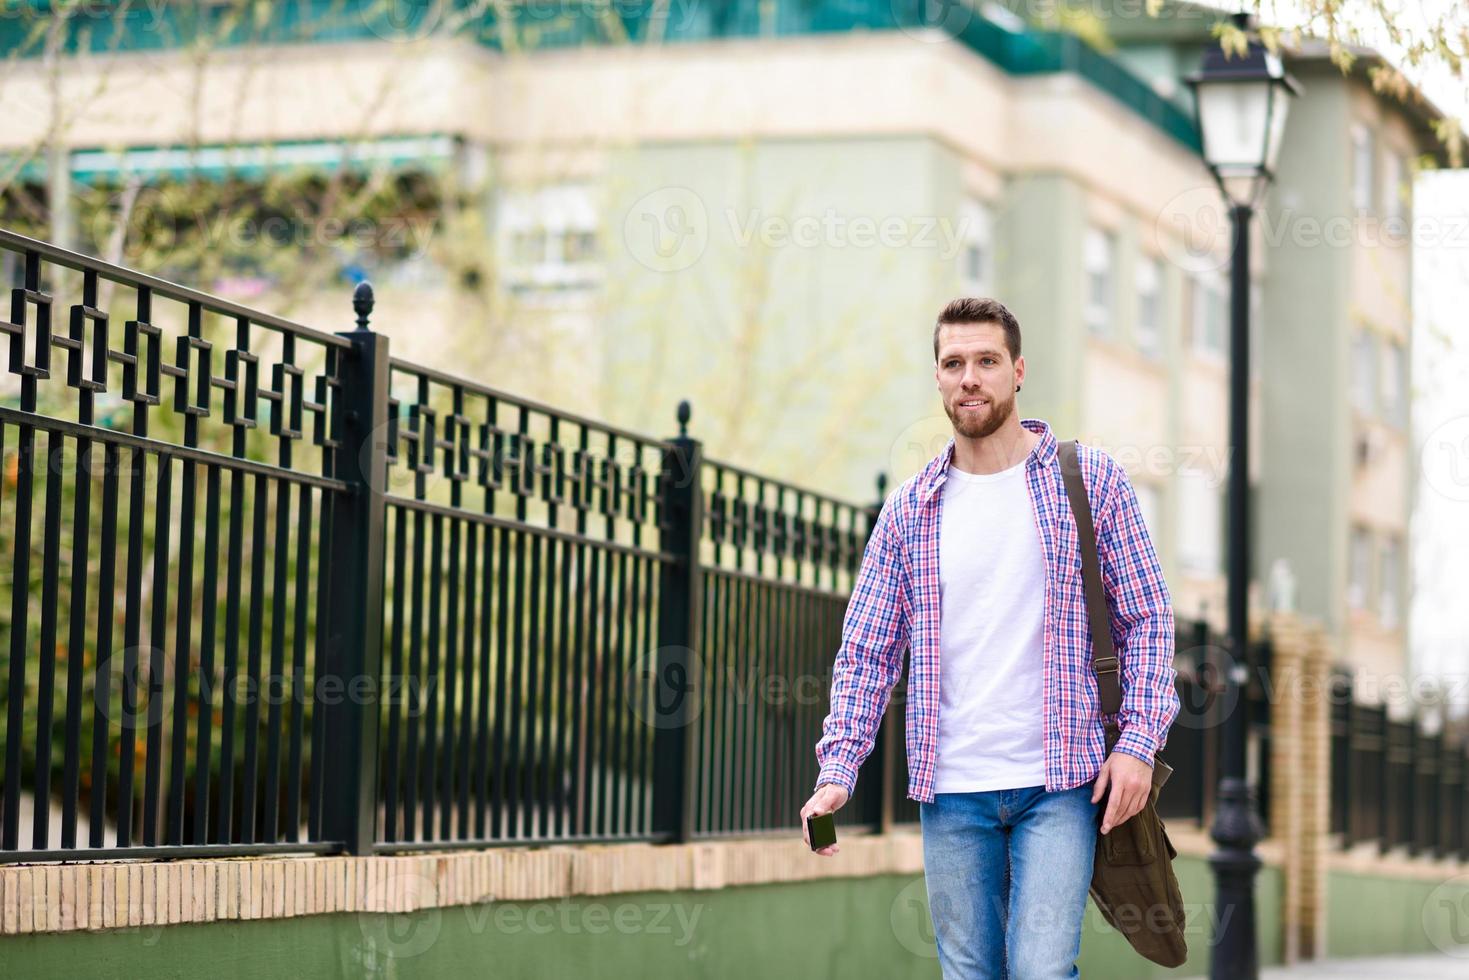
(895, 605)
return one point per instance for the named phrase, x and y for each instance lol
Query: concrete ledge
(120, 894)
(1192, 841)
(1366, 859)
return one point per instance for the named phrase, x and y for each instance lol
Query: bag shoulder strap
(1104, 657)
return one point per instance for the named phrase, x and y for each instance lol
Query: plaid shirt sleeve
(870, 660)
(1143, 613)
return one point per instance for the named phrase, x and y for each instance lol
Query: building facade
(762, 207)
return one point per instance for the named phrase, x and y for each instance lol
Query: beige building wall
(582, 114)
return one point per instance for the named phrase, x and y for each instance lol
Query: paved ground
(1439, 966)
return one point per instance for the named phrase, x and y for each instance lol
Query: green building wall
(803, 340)
(1305, 430)
(838, 928)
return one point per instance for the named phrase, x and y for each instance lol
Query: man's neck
(999, 450)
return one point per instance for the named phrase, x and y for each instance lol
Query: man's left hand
(1131, 780)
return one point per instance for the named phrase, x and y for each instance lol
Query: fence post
(884, 747)
(1209, 669)
(355, 592)
(1464, 800)
(679, 684)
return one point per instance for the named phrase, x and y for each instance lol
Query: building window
(1099, 256)
(976, 258)
(1387, 607)
(1394, 400)
(1149, 306)
(1394, 191)
(1364, 372)
(1207, 315)
(549, 240)
(1361, 167)
(1200, 522)
(1359, 568)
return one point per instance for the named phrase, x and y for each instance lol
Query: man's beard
(978, 428)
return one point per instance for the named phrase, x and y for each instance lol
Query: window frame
(1099, 259)
(1364, 167)
(1149, 335)
(977, 225)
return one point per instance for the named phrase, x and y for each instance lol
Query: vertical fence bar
(46, 678)
(101, 693)
(1208, 758)
(680, 595)
(24, 488)
(77, 637)
(354, 649)
(889, 738)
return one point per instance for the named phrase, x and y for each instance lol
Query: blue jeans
(1007, 873)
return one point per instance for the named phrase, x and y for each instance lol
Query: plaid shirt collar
(938, 468)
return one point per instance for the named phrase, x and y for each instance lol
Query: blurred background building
(762, 206)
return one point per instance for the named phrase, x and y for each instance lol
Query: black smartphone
(822, 829)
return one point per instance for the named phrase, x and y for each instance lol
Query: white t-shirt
(992, 582)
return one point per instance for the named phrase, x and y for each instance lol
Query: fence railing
(438, 615)
(1394, 784)
(432, 614)
(141, 616)
(273, 589)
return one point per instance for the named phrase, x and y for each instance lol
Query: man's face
(976, 377)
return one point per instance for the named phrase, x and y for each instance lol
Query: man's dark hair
(975, 309)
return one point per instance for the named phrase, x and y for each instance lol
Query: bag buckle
(1105, 664)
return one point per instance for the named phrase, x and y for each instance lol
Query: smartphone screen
(822, 830)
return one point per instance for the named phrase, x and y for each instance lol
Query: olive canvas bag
(1133, 884)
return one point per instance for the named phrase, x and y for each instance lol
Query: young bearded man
(974, 567)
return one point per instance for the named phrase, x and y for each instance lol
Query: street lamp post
(1241, 102)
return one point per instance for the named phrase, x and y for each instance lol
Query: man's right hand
(828, 798)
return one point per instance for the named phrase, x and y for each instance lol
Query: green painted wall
(787, 288)
(1373, 914)
(1304, 422)
(837, 928)
(1040, 229)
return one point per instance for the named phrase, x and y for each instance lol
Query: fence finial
(685, 410)
(362, 302)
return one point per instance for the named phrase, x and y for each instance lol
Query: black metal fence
(272, 589)
(323, 599)
(1201, 657)
(1394, 784)
(159, 572)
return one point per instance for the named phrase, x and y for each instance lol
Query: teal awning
(249, 161)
